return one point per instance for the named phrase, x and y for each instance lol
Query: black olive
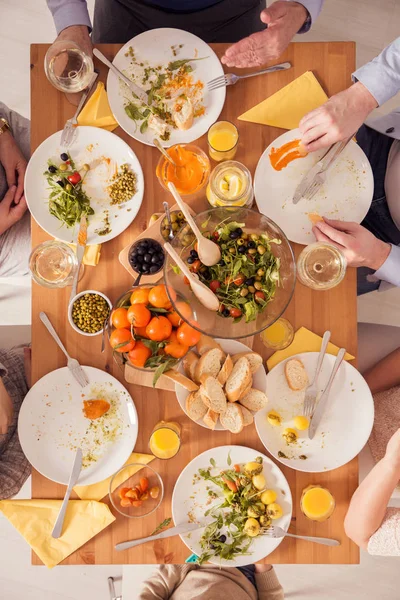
(222, 539)
(61, 183)
(161, 257)
(155, 259)
(64, 156)
(242, 249)
(143, 244)
(147, 258)
(222, 262)
(190, 260)
(213, 547)
(251, 244)
(150, 250)
(52, 169)
(249, 281)
(226, 312)
(145, 268)
(194, 254)
(154, 268)
(239, 230)
(140, 251)
(234, 235)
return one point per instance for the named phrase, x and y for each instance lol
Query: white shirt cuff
(390, 270)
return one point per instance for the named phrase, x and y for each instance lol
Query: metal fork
(72, 364)
(312, 390)
(277, 532)
(231, 78)
(70, 126)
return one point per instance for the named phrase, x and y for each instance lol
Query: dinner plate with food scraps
(346, 194)
(229, 384)
(58, 416)
(98, 175)
(255, 492)
(173, 67)
(345, 425)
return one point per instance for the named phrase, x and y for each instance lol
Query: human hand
(339, 118)
(393, 449)
(262, 568)
(14, 164)
(78, 34)
(6, 409)
(283, 20)
(360, 247)
(10, 211)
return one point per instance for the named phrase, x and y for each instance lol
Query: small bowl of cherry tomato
(136, 490)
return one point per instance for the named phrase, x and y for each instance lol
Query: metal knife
(323, 401)
(80, 251)
(76, 470)
(135, 89)
(178, 530)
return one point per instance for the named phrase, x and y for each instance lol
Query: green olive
(251, 289)
(258, 285)
(244, 292)
(68, 187)
(63, 167)
(261, 249)
(252, 251)
(261, 272)
(254, 237)
(86, 167)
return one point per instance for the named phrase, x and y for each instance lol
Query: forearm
(368, 504)
(385, 374)
(69, 12)
(381, 76)
(268, 585)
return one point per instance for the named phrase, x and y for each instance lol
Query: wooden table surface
(332, 64)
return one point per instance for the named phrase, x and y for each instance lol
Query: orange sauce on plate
(281, 157)
(94, 409)
(191, 173)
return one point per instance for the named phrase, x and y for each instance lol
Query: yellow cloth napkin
(287, 107)
(34, 520)
(97, 111)
(304, 341)
(91, 256)
(97, 491)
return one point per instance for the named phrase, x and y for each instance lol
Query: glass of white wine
(321, 266)
(67, 67)
(53, 264)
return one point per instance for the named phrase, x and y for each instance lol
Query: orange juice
(317, 503)
(279, 335)
(222, 141)
(165, 440)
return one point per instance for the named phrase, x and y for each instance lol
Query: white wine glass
(68, 67)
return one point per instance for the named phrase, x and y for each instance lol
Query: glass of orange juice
(223, 139)
(317, 503)
(165, 440)
(279, 335)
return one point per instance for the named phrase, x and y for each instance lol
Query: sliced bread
(254, 400)
(226, 370)
(195, 407)
(246, 391)
(247, 415)
(183, 113)
(209, 363)
(296, 374)
(232, 419)
(238, 380)
(213, 395)
(211, 419)
(255, 360)
(206, 343)
(189, 364)
(185, 382)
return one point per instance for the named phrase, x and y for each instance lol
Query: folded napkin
(287, 107)
(97, 491)
(97, 111)
(34, 520)
(91, 255)
(304, 341)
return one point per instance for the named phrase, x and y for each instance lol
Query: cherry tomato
(186, 280)
(136, 503)
(74, 178)
(238, 280)
(184, 309)
(125, 502)
(141, 332)
(158, 296)
(187, 336)
(176, 350)
(140, 296)
(259, 297)
(121, 340)
(237, 468)
(139, 315)
(159, 329)
(119, 318)
(196, 266)
(144, 484)
(133, 494)
(214, 285)
(123, 491)
(235, 312)
(215, 236)
(140, 353)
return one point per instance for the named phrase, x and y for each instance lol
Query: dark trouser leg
(118, 21)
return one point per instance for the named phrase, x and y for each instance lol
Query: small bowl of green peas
(88, 312)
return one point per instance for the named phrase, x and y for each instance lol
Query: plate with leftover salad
(98, 175)
(173, 67)
(58, 416)
(345, 425)
(235, 493)
(346, 194)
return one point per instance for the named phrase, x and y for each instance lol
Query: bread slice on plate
(226, 370)
(195, 407)
(296, 374)
(232, 419)
(247, 415)
(209, 363)
(246, 391)
(255, 360)
(212, 395)
(189, 364)
(238, 381)
(183, 113)
(184, 381)
(211, 419)
(254, 400)
(206, 343)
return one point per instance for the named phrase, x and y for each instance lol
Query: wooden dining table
(332, 63)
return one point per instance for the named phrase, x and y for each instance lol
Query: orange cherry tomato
(158, 296)
(123, 491)
(184, 309)
(136, 503)
(144, 484)
(133, 495)
(159, 329)
(138, 356)
(187, 336)
(119, 318)
(141, 331)
(121, 340)
(176, 350)
(196, 266)
(140, 296)
(231, 484)
(186, 280)
(237, 468)
(126, 502)
(139, 315)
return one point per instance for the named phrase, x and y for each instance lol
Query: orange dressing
(94, 409)
(190, 174)
(281, 157)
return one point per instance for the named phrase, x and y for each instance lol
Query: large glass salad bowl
(254, 280)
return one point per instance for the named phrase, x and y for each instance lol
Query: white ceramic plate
(191, 495)
(229, 347)
(346, 194)
(104, 152)
(154, 48)
(345, 426)
(51, 426)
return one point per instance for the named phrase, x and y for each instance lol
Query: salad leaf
(144, 126)
(162, 525)
(250, 311)
(212, 461)
(133, 112)
(177, 64)
(229, 460)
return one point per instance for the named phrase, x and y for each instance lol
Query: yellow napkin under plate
(97, 491)
(97, 111)
(287, 107)
(304, 341)
(34, 520)
(91, 256)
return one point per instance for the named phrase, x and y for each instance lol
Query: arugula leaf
(229, 460)
(133, 112)
(212, 461)
(177, 64)
(144, 126)
(162, 525)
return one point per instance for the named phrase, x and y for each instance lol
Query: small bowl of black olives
(146, 257)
